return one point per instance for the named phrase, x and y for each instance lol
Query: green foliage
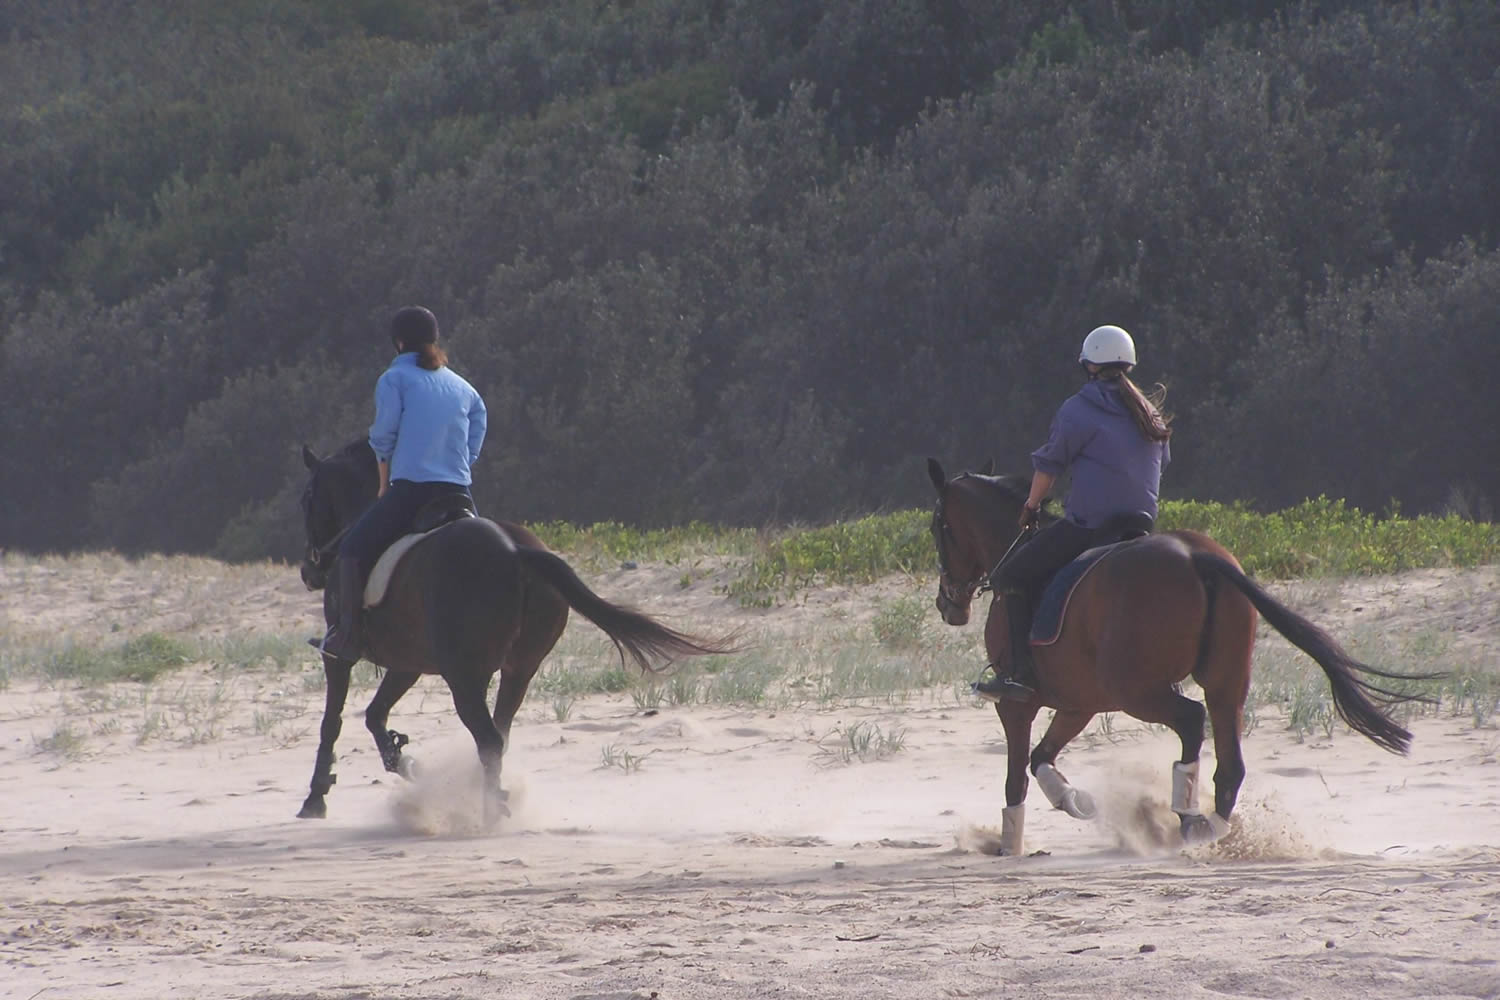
(742, 262)
(1319, 537)
(847, 551)
(142, 659)
(1325, 537)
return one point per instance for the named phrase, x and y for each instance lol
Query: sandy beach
(712, 850)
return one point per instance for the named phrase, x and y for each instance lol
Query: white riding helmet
(1107, 345)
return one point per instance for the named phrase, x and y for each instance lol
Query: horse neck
(990, 517)
(358, 487)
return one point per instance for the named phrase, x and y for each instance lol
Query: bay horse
(1157, 610)
(473, 598)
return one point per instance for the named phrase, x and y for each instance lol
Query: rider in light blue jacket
(428, 429)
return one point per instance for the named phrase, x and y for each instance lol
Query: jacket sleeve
(1063, 444)
(388, 407)
(478, 424)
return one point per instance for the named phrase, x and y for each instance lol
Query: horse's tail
(644, 639)
(1353, 696)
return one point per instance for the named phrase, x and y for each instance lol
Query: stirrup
(1006, 687)
(321, 644)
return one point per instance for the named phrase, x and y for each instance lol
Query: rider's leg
(1017, 580)
(376, 529)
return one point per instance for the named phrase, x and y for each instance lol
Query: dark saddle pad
(1052, 607)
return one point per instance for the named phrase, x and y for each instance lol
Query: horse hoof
(313, 809)
(406, 767)
(1079, 804)
(1198, 829)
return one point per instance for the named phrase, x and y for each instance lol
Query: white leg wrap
(1012, 824)
(1185, 789)
(1076, 803)
(1053, 785)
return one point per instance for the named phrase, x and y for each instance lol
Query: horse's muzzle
(953, 612)
(313, 577)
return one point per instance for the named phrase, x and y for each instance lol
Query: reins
(320, 553)
(1024, 533)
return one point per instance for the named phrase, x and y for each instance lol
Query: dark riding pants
(1032, 564)
(389, 518)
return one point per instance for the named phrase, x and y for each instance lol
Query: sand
(733, 853)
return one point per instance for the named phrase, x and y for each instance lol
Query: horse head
(339, 488)
(973, 523)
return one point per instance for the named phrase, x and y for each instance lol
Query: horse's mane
(355, 453)
(1018, 487)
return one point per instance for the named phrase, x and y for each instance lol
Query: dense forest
(745, 261)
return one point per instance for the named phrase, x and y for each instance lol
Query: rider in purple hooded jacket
(1115, 442)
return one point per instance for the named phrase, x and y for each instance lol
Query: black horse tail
(1353, 696)
(643, 638)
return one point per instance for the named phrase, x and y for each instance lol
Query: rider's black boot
(344, 640)
(1019, 682)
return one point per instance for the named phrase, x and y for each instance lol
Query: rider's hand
(1028, 516)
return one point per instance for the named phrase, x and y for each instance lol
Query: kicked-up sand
(709, 851)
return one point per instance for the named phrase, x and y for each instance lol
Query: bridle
(317, 555)
(958, 597)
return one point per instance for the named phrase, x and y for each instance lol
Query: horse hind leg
(389, 742)
(469, 691)
(544, 616)
(1185, 717)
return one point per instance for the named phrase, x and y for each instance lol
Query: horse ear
(309, 459)
(935, 473)
(988, 468)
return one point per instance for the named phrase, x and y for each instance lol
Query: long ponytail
(1153, 422)
(431, 356)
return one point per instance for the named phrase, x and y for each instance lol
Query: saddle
(434, 514)
(1052, 607)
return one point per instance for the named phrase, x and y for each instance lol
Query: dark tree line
(732, 260)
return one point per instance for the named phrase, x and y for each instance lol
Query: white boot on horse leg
(1012, 828)
(1196, 827)
(1073, 801)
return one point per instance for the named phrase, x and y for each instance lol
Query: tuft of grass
(65, 741)
(257, 651)
(142, 659)
(862, 741)
(614, 756)
(901, 623)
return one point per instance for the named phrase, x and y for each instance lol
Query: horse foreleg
(1015, 719)
(389, 742)
(336, 678)
(1073, 801)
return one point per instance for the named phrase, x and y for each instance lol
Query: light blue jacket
(1116, 469)
(428, 424)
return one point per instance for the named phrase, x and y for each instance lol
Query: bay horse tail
(1354, 697)
(643, 638)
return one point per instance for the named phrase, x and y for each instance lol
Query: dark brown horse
(475, 597)
(1158, 610)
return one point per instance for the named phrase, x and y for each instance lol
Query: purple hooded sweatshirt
(1116, 469)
